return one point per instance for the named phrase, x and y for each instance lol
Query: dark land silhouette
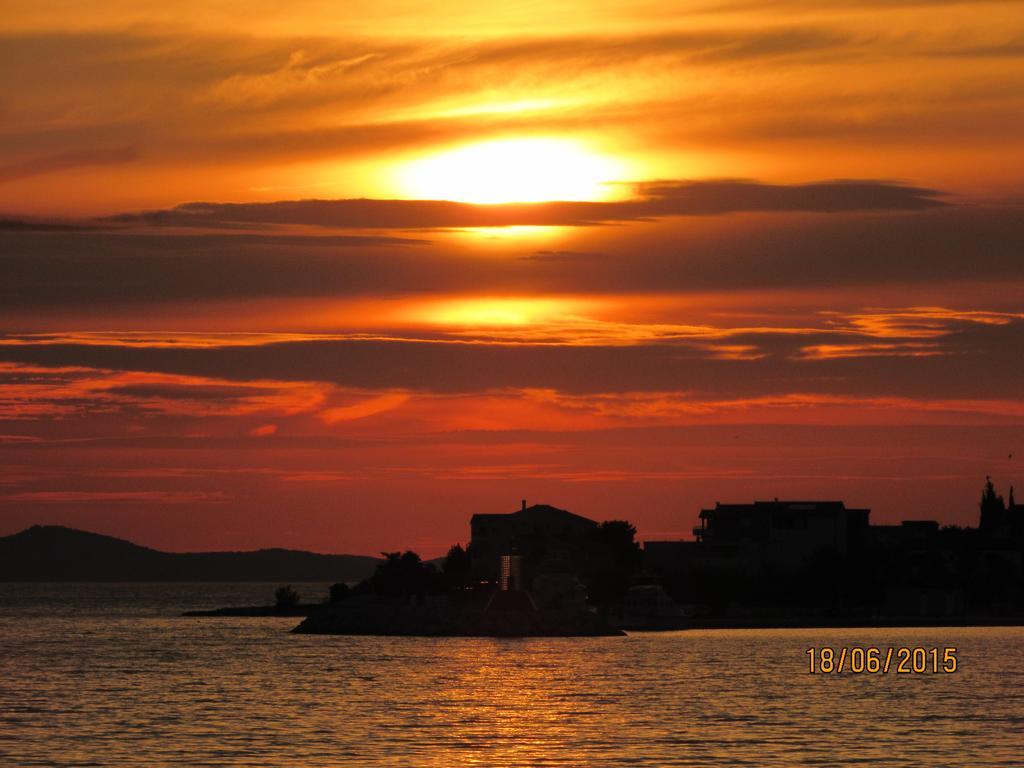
(287, 602)
(407, 596)
(56, 553)
(786, 562)
(546, 571)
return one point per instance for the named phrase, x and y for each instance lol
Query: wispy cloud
(62, 161)
(898, 352)
(28, 392)
(655, 199)
(119, 497)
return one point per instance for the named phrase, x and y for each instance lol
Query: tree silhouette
(339, 592)
(616, 540)
(991, 507)
(403, 574)
(609, 561)
(456, 567)
(286, 597)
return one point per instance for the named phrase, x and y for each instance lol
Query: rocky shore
(260, 610)
(446, 620)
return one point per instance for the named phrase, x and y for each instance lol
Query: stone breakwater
(452, 621)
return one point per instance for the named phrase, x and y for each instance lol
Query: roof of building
(537, 510)
(776, 504)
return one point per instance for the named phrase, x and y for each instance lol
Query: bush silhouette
(404, 574)
(286, 597)
(339, 592)
(456, 567)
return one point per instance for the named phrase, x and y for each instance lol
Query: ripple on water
(110, 681)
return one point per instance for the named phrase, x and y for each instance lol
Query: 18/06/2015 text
(902, 660)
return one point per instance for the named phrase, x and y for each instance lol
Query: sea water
(111, 675)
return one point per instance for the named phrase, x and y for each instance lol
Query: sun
(527, 170)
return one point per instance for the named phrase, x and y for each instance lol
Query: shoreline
(258, 610)
(894, 622)
(846, 622)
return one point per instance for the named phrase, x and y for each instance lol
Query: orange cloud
(363, 409)
(119, 497)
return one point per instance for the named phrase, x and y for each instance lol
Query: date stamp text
(902, 660)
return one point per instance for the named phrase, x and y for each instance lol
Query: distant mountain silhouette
(56, 553)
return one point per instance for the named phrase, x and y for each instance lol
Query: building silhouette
(801, 558)
(538, 535)
(783, 533)
(763, 561)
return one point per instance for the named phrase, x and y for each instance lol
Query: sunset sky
(336, 276)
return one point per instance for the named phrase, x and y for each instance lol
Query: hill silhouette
(57, 553)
